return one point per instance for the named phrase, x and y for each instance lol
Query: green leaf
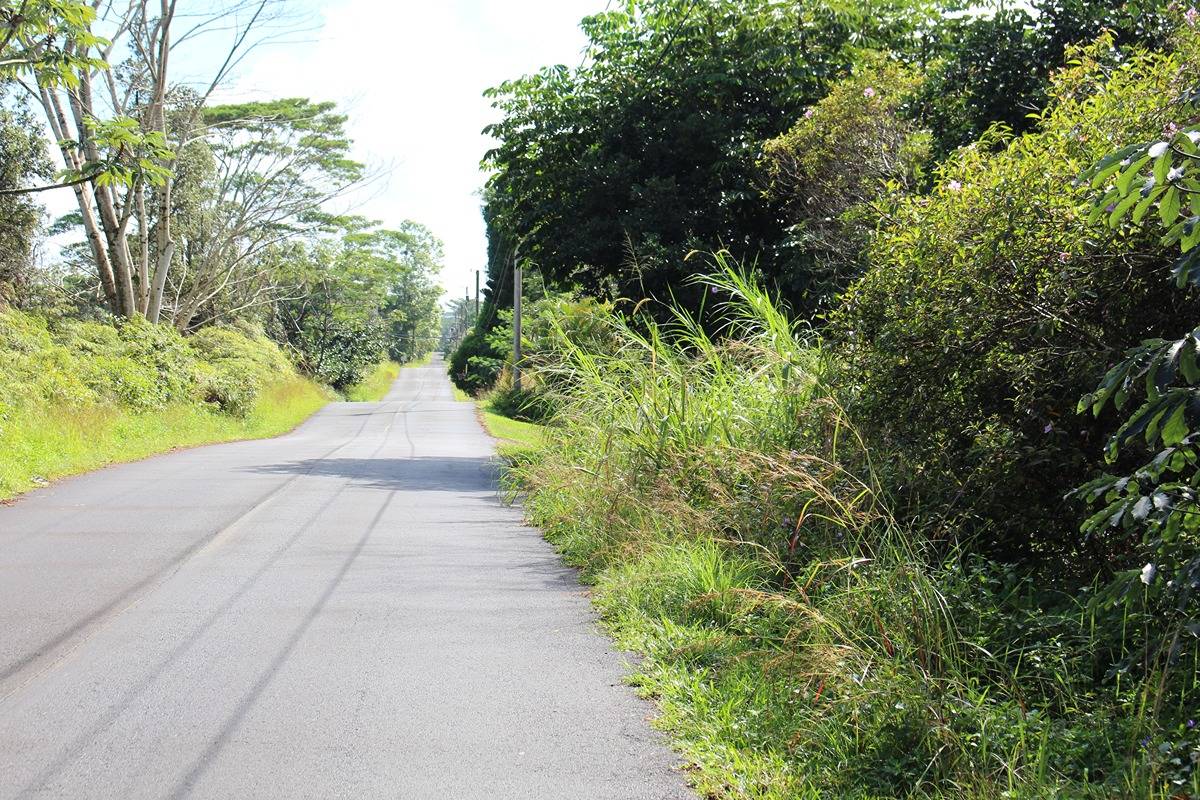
(1168, 210)
(1126, 178)
(1176, 428)
(1187, 360)
(1145, 204)
(1122, 209)
(1162, 165)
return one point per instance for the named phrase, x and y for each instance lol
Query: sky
(411, 75)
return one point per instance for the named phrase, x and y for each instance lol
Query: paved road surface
(343, 612)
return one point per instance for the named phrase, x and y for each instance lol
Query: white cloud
(411, 76)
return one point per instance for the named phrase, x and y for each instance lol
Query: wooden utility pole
(517, 324)
(477, 295)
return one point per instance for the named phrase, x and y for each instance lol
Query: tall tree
(262, 175)
(610, 173)
(117, 137)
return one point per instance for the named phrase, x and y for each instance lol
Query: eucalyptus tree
(108, 103)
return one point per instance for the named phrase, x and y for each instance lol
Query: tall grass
(799, 641)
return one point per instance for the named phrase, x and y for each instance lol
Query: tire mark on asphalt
(131, 596)
(75, 748)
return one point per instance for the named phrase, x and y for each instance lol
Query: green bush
(475, 364)
(133, 364)
(341, 352)
(849, 149)
(991, 306)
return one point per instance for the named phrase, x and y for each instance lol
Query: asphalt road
(347, 611)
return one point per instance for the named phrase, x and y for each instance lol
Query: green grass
(38, 445)
(514, 435)
(376, 385)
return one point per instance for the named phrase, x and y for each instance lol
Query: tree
(997, 62)
(41, 37)
(22, 159)
(368, 293)
(607, 175)
(260, 176)
(116, 136)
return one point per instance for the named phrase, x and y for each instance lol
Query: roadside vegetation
(202, 289)
(896, 494)
(376, 383)
(79, 395)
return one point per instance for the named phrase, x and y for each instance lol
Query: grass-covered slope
(77, 395)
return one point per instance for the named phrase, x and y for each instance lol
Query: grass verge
(41, 444)
(515, 436)
(376, 385)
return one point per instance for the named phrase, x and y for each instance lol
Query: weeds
(800, 641)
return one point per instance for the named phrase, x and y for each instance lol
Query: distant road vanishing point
(347, 611)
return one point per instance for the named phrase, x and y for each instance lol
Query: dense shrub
(799, 639)
(475, 364)
(340, 352)
(849, 149)
(133, 364)
(992, 305)
(482, 360)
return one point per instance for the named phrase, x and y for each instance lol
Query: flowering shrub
(847, 150)
(988, 304)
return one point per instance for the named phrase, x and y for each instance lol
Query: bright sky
(411, 76)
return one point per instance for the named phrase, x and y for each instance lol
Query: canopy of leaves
(997, 64)
(609, 173)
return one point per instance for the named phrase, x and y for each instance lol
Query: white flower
(1158, 148)
(1148, 573)
(1175, 174)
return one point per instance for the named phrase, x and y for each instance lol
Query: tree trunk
(59, 125)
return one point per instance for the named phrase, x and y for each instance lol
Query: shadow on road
(397, 474)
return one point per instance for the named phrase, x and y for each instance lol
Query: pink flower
(954, 186)
(868, 92)
(808, 113)
(1192, 16)
(1064, 257)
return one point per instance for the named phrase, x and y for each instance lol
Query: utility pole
(477, 295)
(517, 320)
